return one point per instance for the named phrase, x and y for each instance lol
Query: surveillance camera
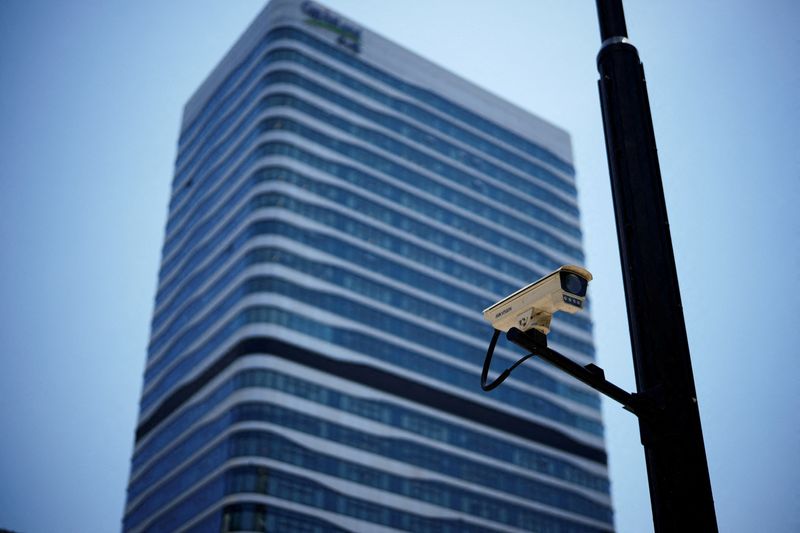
(533, 306)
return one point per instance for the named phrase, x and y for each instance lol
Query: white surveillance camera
(533, 306)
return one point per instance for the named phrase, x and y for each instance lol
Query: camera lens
(573, 283)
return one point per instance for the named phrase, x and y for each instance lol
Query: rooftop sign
(349, 36)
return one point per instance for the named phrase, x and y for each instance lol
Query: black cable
(488, 361)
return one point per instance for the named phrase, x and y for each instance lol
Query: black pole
(680, 488)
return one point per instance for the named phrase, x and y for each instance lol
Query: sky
(91, 95)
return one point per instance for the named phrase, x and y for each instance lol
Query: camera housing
(533, 305)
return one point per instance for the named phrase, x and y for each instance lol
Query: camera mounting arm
(536, 343)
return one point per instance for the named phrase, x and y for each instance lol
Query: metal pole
(680, 488)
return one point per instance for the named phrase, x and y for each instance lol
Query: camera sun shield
(533, 306)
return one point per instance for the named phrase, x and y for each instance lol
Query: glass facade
(341, 213)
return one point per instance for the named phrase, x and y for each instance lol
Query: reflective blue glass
(444, 494)
(462, 243)
(382, 164)
(364, 313)
(269, 444)
(343, 223)
(210, 147)
(196, 227)
(378, 348)
(177, 486)
(227, 151)
(446, 241)
(204, 158)
(428, 426)
(199, 125)
(338, 248)
(399, 299)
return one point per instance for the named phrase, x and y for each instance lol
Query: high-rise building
(342, 211)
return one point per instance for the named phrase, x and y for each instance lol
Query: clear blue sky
(90, 99)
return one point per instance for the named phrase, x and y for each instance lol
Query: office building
(342, 211)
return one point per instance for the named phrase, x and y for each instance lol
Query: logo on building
(348, 35)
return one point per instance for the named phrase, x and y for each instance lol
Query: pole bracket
(535, 342)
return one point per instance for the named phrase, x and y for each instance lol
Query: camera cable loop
(487, 362)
